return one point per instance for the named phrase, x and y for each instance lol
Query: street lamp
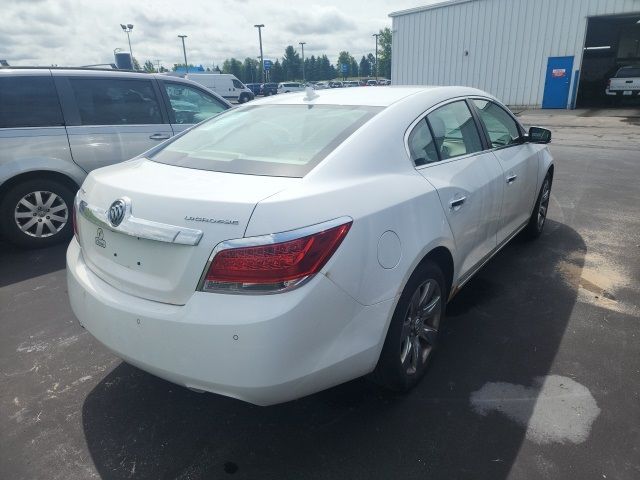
(127, 29)
(302, 44)
(184, 52)
(376, 35)
(260, 27)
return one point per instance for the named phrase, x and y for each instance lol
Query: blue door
(558, 82)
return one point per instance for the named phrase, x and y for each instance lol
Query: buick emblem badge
(116, 212)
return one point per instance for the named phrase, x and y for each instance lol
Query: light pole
(158, 62)
(127, 29)
(302, 44)
(376, 35)
(260, 27)
(184, 51)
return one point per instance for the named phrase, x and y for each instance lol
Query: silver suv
(56, 125)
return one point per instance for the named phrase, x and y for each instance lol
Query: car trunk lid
(173, 218)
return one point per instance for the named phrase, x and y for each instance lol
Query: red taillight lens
(273, 266)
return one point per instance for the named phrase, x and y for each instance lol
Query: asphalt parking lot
(538, 375)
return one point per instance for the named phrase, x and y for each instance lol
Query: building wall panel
(509, 42)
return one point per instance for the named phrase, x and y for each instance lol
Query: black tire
(391, 371)
(539, 215)
(53, 229)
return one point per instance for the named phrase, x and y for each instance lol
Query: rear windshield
(275, 140)
(628, 72)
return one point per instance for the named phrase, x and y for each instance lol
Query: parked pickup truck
(626, 82)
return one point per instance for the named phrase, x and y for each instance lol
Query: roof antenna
(310, 94)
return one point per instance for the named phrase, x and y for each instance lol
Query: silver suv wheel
(41, 214)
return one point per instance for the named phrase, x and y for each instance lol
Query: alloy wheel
(41, 214)
(544, 203)
(420, 327)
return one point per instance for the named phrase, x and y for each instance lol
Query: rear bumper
(621, 93)
(262, 349)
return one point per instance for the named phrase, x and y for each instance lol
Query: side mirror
(539, 135)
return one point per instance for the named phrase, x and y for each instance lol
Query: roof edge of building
(433, 6)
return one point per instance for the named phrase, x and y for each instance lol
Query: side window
(236, 83)
(454, 130)
(191, 105)
(502, 129)
(29, 102)
(104, 101)
(421, 145)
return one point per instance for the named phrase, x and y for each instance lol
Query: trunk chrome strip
(137, 227)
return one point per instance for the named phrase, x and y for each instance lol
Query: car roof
(102, 73)
(85, 72)
(376, 97)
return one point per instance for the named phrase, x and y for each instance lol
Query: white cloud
(77, 32)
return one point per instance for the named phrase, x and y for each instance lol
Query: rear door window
(191, 105)
(27, 101)
(502, 129)
(454, 130)
(104, 101)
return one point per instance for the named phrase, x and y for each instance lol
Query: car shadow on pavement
(506, 325)
(40, 262)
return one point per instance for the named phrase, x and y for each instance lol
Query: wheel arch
(443, 258)
(38, 175)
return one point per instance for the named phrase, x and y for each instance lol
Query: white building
(526, 52)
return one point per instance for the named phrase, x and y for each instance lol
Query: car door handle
(511, 178)
(456, 203)
(159, 136)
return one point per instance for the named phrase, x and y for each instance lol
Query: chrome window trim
(138, 227)
(261, 240)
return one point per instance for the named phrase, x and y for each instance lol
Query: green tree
(250, 70)
(277, 74)
(148, 66)
(384, 53)
(291, 63)
(176, 66)
(353, 68)
(344, 59)
(232, 66)
(136, 64)
(365, 67)
(372, 62)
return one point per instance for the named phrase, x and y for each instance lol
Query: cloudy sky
(76, 32)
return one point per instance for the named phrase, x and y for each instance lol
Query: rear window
(27, 101)
(628, 72)
(275, 140)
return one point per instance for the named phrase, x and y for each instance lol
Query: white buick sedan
(300, 241)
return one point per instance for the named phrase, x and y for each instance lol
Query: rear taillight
(273, 263)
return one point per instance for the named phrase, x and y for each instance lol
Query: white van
(224, 84)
